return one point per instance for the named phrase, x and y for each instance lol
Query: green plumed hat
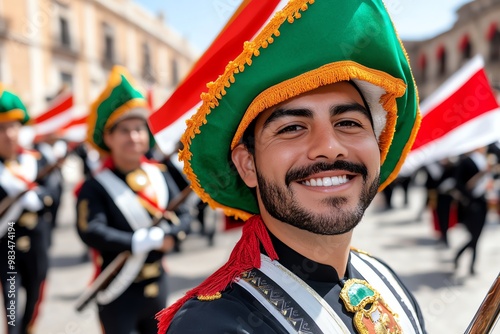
(120, 99)
(306, 45)
(11, 107)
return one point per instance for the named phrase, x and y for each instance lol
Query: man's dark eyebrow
(278, 113)
(342, 108)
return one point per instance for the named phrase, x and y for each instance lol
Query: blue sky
(200, 20)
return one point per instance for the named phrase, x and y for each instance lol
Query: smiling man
(297, 135)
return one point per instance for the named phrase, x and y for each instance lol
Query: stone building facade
(476, 31)
(48, 44)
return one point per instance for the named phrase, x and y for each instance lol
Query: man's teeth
(326, 181)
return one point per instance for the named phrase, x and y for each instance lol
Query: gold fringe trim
(217, 89)
(360, 251)
(12, 115)
(325, 75)
(209, 298)
(406, 150)
(303, 83)
(418, 116)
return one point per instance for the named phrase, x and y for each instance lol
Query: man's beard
(282, 205)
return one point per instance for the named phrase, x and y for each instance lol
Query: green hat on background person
(11, 107)
(119, 100)
(306, 45)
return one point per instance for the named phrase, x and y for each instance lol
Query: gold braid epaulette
(360, 251)
(209, 298)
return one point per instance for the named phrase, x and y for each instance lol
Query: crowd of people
(132, 200)
(459, 190)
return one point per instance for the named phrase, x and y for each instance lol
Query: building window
(466, 47)
(495, 46)
(67, 80)
(109, 43)
(175, 72)
(422, 65)
(147, 71)
(64, 32)
(441, 56)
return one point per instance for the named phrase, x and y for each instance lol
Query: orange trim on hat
(325, 75)
(12, 115)
(123, 109)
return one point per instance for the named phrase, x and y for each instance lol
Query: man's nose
(326, 144)
(11, 132)
(135, 135)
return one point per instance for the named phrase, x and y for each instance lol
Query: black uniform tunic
(238, 312)
(103, 227)
(30, 237)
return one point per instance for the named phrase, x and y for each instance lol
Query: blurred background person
(116, 206)
(472, 176)
(24, 229)
(439, 184)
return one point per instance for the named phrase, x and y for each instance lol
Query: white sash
(318, 309)
(315, 306)
(137, 217)
(29, 169)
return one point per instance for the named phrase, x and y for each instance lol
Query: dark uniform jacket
(33, 225)
(28, 237)
(238, 312)
(102, 226)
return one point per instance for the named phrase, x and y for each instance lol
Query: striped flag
(76, 130)
(59, 114)
(462, 115)
(168, 122)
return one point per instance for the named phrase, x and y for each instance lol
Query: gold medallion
(371, 313)
(137, 180)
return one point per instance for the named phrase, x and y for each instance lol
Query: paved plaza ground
(448, 299)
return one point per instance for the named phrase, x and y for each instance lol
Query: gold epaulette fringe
(209, 298)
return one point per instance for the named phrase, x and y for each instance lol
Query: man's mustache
(305, 172)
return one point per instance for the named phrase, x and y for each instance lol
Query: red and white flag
(76, 130)
(460, 116)
(168, 122)
(59, 114)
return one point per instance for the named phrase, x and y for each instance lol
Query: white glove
(145, 240)
(31, 202)
(12, 185)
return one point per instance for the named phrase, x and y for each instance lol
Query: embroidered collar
(303, 267)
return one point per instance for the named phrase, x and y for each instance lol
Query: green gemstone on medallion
(358, 292)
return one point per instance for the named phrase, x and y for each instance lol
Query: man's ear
(106, 138)
(245, 164)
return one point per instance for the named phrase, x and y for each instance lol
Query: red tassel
(245, 256)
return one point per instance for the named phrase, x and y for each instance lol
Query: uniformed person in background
(24, 229)
(472, 175)
(439, 184)
(115, 208)
(54, 151)
(297, 135)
